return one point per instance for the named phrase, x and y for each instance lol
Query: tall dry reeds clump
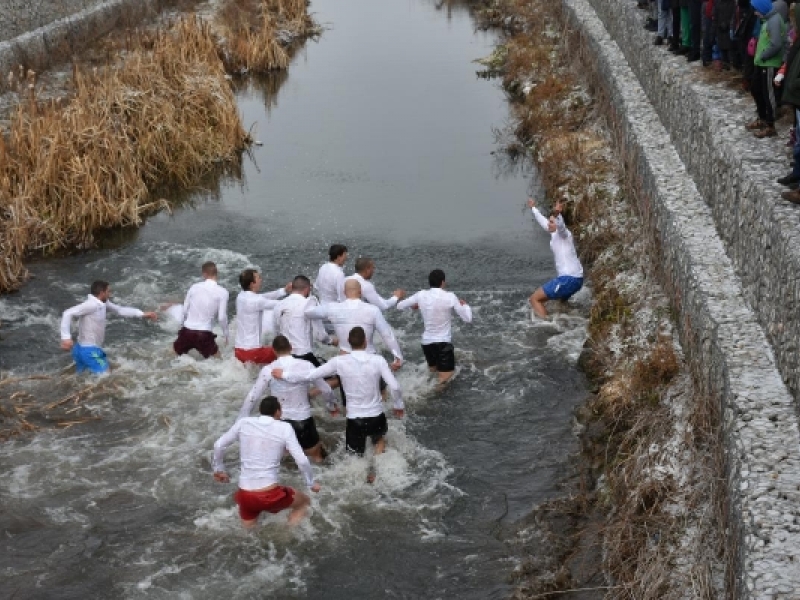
(258, 32)
(165, 115)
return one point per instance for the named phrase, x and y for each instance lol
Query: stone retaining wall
(727, 349)
(20, 16)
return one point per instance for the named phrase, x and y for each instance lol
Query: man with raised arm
(88, 353)
(295, 406)
(569, 272)
(250, 307)
(330, 278)
(365, 269)
(361, 373)
(436, 306)
(262, 442)
(206, 304)
(353, 312)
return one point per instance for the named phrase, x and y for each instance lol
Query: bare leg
(299, 508)
(249, 524)
(380, 446)
(315, 453)
(537, 300)
(445, 376)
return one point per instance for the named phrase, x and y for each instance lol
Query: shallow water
(381, 137)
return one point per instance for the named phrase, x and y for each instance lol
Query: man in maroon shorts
(206, 304)
(262, 442)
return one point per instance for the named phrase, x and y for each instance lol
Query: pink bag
(751, 46)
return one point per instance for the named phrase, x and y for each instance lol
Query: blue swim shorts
(89, 357)
(562, 288)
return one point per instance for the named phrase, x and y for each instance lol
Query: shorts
(273, 500)
(358, 430)
(440, 355)
(192, 339)
(259, 356)
(89, 358)
(306, 432)
(562, 288)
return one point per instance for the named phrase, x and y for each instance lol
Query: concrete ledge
(726, 347)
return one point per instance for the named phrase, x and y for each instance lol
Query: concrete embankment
(730, 355)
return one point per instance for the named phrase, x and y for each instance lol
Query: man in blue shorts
(569, 271)
(88, 352)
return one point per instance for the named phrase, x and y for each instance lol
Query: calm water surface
(380, 137)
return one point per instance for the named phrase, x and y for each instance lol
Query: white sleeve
(408, 302)
(256, 392)
(317, 312)
(275, 295)
(293, 446)
(372, 296)
(276, 320)
(221, 444)
(84, 308)
(462, 310)
(561, 227)
(317, 328)
(391, 383)
(123, 311)
(266, 303)
(540, 218)
(222, 314)
(186, 304)
(340, 286)
(388, 336)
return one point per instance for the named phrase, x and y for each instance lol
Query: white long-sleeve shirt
(562, 245)
(330, 283)
(250, 308)
(436, 306)
(368, 293)
(361, 374)
(206, 303)
(355, 313)
(92, 320)
(293, 396)
(262, 441)
(290, 320)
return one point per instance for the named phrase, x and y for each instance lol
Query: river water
(380, 137)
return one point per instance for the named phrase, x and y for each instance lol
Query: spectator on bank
(721, 19)
(791, 97)
(695, 30)
(664, 22)
(747, 27)
(767, 60)
(675, 40)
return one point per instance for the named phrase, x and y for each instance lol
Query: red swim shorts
(202, 341)
(259, 356)
(274, 500)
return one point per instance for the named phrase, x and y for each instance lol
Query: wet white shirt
(330, 283)
(562, 245)
(262, 441)
(436, 306)
(250, 308)
(355, 313)
(290, 320)
(206, 303)
(368, 293)
(293, 396)
(92, 320)
(361, 374)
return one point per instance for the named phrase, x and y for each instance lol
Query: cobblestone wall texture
(20, 16)
(713, 177)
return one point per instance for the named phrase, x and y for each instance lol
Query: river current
(381, 137)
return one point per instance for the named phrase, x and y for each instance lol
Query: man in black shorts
(436, 306)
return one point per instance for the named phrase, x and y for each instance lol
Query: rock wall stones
(20, 16)
(728, 350)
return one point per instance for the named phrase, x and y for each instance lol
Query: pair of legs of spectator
(763, 92)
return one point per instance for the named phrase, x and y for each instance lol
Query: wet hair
(436, 278)
(336, 251)
(281, 344)
(98, 287)
(247, 278)
(269, 406)
(301, 283)
(363, 263)
(357, 338)
(209, 269)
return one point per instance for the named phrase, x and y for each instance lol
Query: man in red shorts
(206, 304)
(262, 442)
(250, 307)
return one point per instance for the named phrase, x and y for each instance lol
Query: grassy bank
(645, 519)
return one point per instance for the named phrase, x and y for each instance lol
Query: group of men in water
(346, 312)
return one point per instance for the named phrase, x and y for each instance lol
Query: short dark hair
(336, 251)
(281, 344)
(301, 283)
(98, 287)
(269, 406)
(357, 338)
(363, 263)
(436, 278)
(247, 278)
(209, 268)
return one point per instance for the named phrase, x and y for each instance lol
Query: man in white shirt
(290, 320)
(250, 307)
(569, 272)
(436, 305)
(295, 406)
(361, 373)
(262, 443)
(88, 352)
(206, 303)
(330, 278)
(365, 269)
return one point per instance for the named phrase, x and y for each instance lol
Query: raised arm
(540, 218)
(394, 387)
(408, 302)
(123, 311)
(387, 335)
(316, 312)
(369, 294)
(256, 392)
(274, 295)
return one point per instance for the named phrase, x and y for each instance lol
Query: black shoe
(674, 48)
(643, 4)
(659, 41)
(682, 50)
(794, 186)
(789, 179)
(706, 63)
(692, 57)
(652, 26)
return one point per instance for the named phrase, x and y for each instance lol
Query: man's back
(436, 306)
(206, 303)
(329, 283)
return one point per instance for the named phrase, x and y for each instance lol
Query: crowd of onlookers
(758, 38)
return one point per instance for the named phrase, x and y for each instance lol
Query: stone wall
(20, 16)
(729, 353)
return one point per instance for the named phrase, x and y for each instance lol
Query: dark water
(380, 138)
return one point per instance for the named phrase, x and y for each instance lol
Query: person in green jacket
(767, 60)
(791, 97)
